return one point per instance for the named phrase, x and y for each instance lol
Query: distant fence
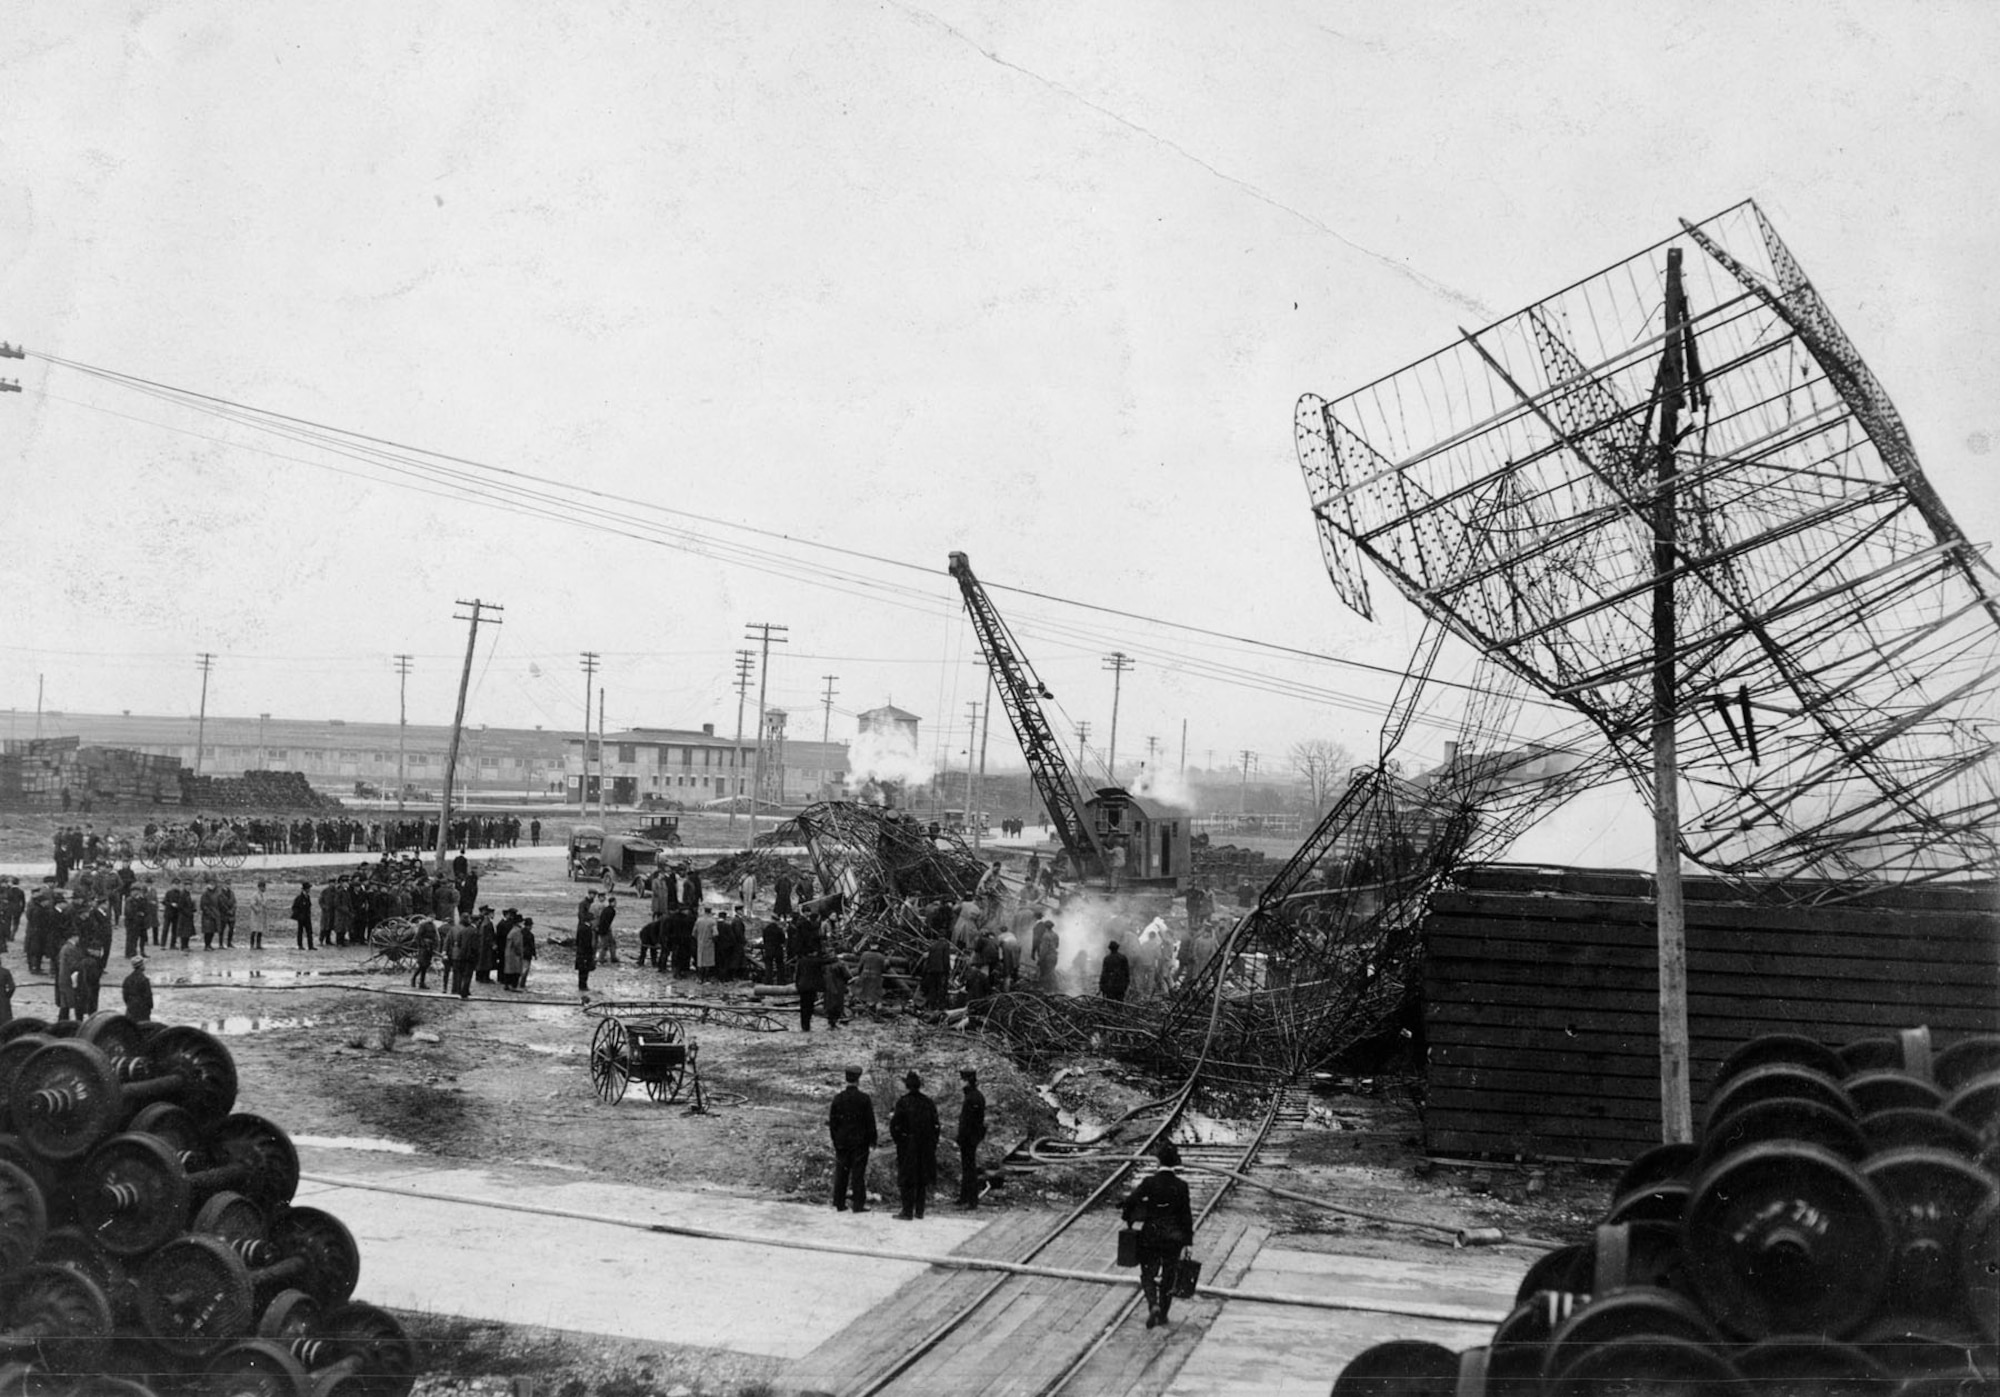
(1247, 824)
(1541, 998)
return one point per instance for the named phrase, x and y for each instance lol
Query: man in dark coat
(586, 956)
(138, 992)
(774, 951)
(806, 975)
(1115, 977)
(971, 1130)
(851, 1123)
(302, 917)
(936, 977)
(913, 1125)
(1159, 1208)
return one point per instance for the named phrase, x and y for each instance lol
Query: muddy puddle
(356, 1142)
(238, 1025)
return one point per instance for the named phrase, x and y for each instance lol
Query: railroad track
(1040, 1335)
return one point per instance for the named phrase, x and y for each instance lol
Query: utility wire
(557, 496)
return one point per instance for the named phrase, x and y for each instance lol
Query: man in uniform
(971, 1130)
(851, 1123)
(913, 1125)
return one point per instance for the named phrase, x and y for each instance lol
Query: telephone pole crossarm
(478, 610)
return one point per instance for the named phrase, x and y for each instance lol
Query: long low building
(691, 765)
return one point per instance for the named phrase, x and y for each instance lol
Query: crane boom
(1019, 692)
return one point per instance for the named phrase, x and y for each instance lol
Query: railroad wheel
(1789, 1048)
(254, 1368)
(1787, 1239)
(1966, 1059)
(14, 1051)
(264, 1150)
(22, 1027)
(322, 1241)
(292, 1314)
(63, 1312)
(72, 1247)
(388, 1358)
(64, 1099)
(1647, 1363)
(195, 1296)
(172, 1126)
(206, 1070)
(1905, 1127)
(1772, 1080)
(1931, 1196)
(1654, 1166)
(1890, 1089)
(117, 1037)
(610, 1061)
(24, 1218)
(235, 1219)
(131, 1195)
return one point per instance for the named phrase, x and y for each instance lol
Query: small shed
(1154, 836)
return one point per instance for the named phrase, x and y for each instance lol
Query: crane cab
(1154, 836)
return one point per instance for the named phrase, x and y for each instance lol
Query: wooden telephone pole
(1676, 1110)
(458, 719)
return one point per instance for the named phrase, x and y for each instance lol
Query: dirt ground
(329, 1045)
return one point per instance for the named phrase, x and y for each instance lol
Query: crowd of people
(70, 922)
(77, 845)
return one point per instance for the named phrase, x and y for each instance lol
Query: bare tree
(1323, 765)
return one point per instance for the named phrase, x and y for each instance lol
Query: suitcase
(1128, 1246)
(1187, 1275)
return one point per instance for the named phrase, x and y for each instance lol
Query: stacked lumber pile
(38, 770)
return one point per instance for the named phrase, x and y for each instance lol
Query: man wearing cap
(913, 1125)
(971, 1130)
(851, 1123)
(1160, 1209)
(138, 992)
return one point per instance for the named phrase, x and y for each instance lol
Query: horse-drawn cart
(653, 1052)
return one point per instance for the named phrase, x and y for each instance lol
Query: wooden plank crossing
(1541, 1008)
(1035, 1327)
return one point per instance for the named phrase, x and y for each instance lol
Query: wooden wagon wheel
(234, 854)
(610, 1061)
(665, 1084)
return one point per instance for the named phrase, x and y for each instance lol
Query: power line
(554, 492)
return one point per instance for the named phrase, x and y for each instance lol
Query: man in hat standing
(913, 1125)
(138, 992)
(851, 1123)
(971, 1130)
(1116, 975)
(1161, 1210)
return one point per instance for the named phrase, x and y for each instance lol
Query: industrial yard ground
(436, 1128)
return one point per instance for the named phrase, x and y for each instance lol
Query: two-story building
(695, 766)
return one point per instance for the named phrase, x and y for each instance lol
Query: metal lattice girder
(1837, 637)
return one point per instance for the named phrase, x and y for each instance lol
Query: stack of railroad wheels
(148, 1238)
(1835, 1229)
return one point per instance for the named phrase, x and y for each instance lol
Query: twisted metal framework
(1331, 951)
(886, 867)
(1837, 637)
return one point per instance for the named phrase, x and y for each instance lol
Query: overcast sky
(1037, 282)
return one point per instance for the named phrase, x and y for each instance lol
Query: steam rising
(1164, 786)
(884, 756)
